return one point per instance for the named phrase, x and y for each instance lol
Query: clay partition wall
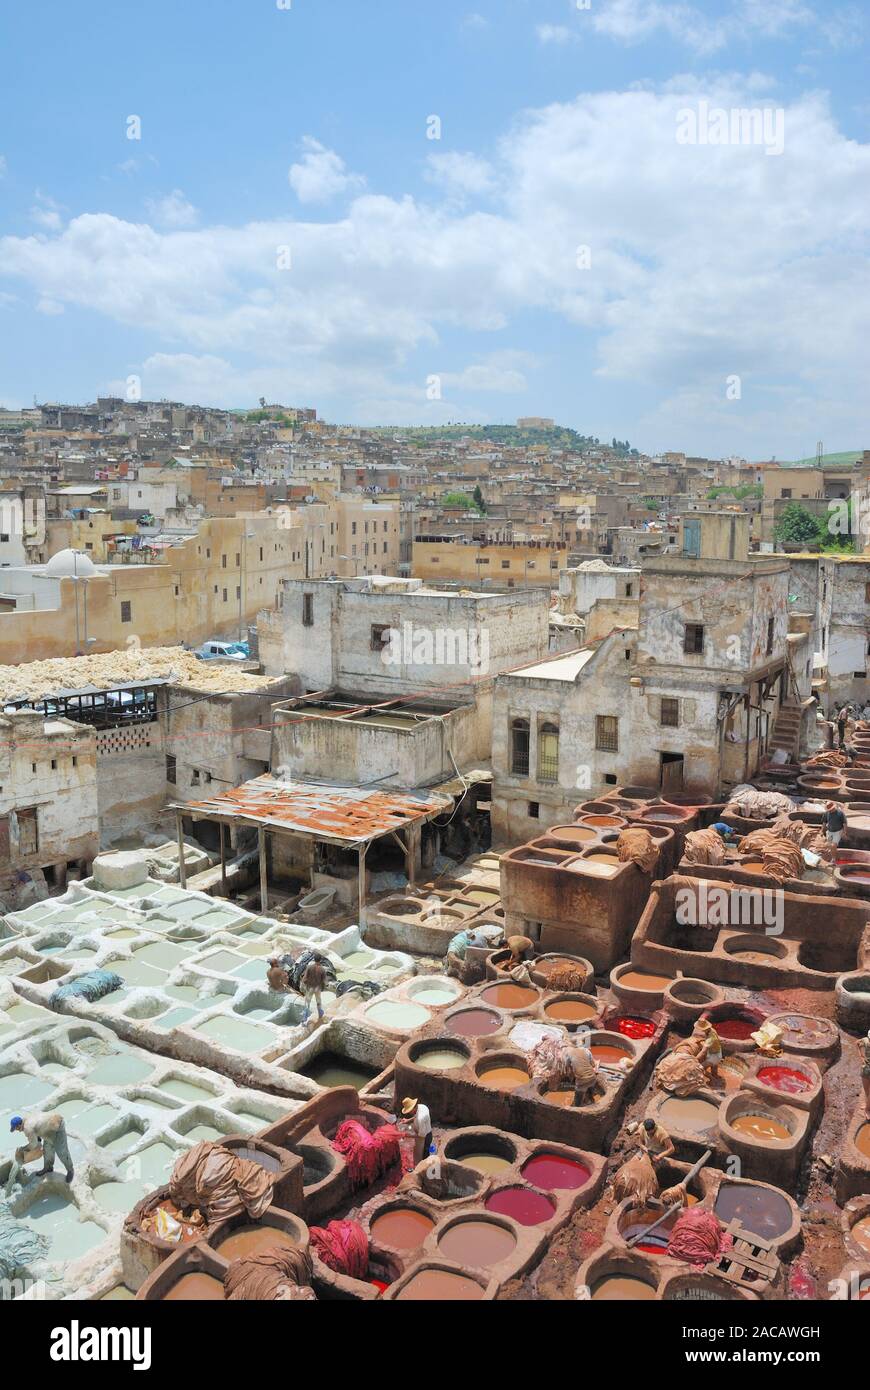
(735, 873)
(853, 1169)
(424, 919)
(822, 937)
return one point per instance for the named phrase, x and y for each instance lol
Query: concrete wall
(131, 778)
(849, 631)
(49, 765)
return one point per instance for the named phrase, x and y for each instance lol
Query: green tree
(458, 499)
(478, 500)
(797, 526)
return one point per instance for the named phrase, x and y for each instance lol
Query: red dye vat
(379, 1285)
(527, 1207)
(736, 1029)
(785, 1079)
(631, 1026)
(552, 1171)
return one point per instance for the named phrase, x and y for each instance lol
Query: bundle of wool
(637, 846)
(698, 1237)
(367, 1153)
(276, 1275)
(831, 757)
(214, 1181)
(550, 1060)
(343, 1246)
(755, 805)
(704, 847)
(566, 978)
(636, 1179)
(811, 837)
(680, 1073)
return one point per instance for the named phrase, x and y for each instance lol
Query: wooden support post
(264, 872)
(413, 835)
(223, 859)
(363, 851)
(182, 869)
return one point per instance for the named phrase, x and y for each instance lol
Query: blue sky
(284, 227)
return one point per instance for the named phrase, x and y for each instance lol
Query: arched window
(548, 753)
(520, 747)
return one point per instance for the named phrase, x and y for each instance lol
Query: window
(225, 595)
(610, 779)
(670, 713)
(238, 591)
(307, 610)
(628, 589)
(238, 560)
(769, 636)
(170, 769)
(380, 637)
(223, 562)
(505, 564)
(353, 528)
(693, 639)
(126, 611)
(786, 492)
(261, 555)
(54, 764)
(534, 810)
(75, 763)
(607, 733)
(548, 753)
(520, 747)
(28, 831)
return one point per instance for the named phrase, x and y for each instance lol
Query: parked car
(223, 651)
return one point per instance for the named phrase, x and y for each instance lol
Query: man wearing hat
(417, 1119)
(47, 1134)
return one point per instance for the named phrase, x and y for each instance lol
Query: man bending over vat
(656, 1140)
(313, 981)
(46, 1138)
(585, 1074)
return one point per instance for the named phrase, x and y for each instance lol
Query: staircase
(787, 731)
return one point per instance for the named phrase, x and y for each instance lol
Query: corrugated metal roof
(324, 811)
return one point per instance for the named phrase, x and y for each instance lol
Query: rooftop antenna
(820, 453)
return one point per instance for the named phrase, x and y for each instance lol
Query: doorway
(671, 772)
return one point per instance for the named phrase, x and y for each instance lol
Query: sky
(431, 211)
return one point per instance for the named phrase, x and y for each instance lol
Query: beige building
(512, 564)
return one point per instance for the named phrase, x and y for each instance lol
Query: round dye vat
(527, 1207)
(606, 1053)
(486, 1163)
(397, 1013)
(638, 1219)
(632, 1026)
(246, 1241)
(761, 1210)
(855, 875)
(665, 817)
(570, 1011)
(435, 995)
(440, 1286)
(786, 1079)
(688, 1114)
(477, 1242)
(601, 857)
(805, 1031)
(555, 1173)
(440, 1059)
(547, 965)
(639, 979)
(403, 1228)
(613, 822)
(474, 1023)
(861, 1233)
(559, 1097)
(732, 1070)
(760, 1127)
(510, 996)
(504, 1078)
(621, 1288)
(573, 832)
(862, 1140)
(736, 1029)
(196, 1288)
(756, 867)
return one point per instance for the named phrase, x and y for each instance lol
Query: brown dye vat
(546, 965)
(760, 1127)
(478, 1243)
(511, 996)
(621, 1288)
(486, 1163)
(862, 1140)
(613, 822)
(474, 1023)
(570, 1011)
(403, 1229)
(689, 1114)
(639, 979)
(440, 1286)
(761, 1210)
(572, 832)
(605, 1052)
(251, 1240)
(196, 1288)
(504, 1078)
(601, 857)
(755, 867)
(565, 1098)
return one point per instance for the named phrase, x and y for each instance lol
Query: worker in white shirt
(418, 1120)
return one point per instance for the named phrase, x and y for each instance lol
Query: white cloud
(173, 210)
(632, 21)
(322, 174)
(460, 173)
(51, 307)
(705, 262)
(46, 212)
(556, 34)
(474, 21)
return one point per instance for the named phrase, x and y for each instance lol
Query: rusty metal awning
(346, 815)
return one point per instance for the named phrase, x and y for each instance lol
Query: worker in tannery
(656, 1140)
(835, 823)
(585, 1077)
(416, 1119)
(312, 982)
(711, 1055)
(46, 1139)
(277, 976)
